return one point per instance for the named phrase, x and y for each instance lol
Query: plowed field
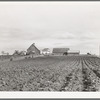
(52, 73)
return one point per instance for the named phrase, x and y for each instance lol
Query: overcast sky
(50, 24)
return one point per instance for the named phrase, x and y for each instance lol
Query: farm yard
(51, 73)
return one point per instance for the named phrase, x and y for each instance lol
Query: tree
(88, 54)
(65, 53)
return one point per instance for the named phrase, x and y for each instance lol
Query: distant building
(33, 50)
(60, 51)
(21, 53)
(70, 52)
(16, 52)
(46, 51)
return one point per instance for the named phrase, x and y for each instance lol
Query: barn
(59, 51)
(73, 52)
(33, 50)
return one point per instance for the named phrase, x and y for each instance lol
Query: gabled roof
(60, 50)
(32, 47)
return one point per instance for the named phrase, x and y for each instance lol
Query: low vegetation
(51, 73)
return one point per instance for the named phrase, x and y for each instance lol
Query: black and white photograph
(50, 46)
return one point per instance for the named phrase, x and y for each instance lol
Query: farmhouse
(60, 51)
(33, 50)
(70, 52)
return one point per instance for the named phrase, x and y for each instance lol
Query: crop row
(61, 73)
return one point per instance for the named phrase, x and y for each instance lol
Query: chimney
(33, 43)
